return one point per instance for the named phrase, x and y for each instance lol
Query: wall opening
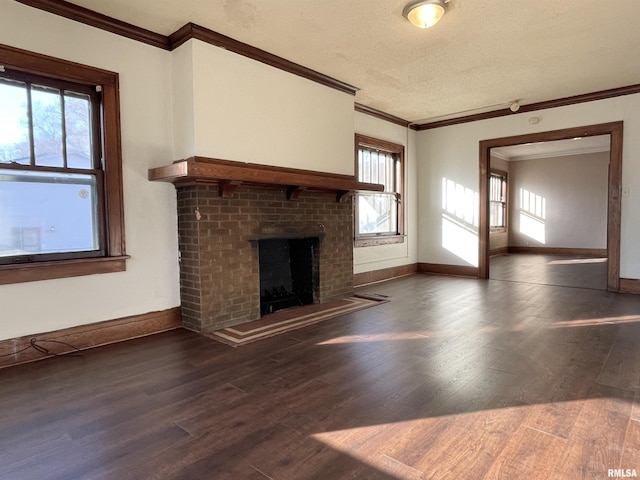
(615, 131)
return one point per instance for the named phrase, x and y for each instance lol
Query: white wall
(453, 153)
(559, 202)
(251, 112)
(385, 256)
(184, 142)
(151, 280)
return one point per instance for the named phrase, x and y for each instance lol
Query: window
(379, 215)
(498, 199)
(60, 169)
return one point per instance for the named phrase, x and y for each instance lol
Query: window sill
(381, 240)
(498, 229)
(32, 272)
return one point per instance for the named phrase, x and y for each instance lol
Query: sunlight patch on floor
(422, 334)
(383, 337)
(596, 321)
(575, 261)
(391, 447)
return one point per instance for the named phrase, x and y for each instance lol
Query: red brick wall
(219, 271)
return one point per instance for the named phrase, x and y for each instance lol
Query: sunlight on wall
(461, 202)
(533, 213)
(460, 219)
(460, 241)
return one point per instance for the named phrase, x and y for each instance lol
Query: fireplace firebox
(288, 273)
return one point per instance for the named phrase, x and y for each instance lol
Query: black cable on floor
(34, 343)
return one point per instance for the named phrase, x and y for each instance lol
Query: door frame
(614, 196)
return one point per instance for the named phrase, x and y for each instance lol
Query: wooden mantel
(229, 175)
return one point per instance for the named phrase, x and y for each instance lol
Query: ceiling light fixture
(425, 13)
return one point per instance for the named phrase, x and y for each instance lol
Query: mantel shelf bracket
(293, 192)
(227, 188)
(343, 195)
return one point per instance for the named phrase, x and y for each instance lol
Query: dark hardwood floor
(454, 378)
(560, 270)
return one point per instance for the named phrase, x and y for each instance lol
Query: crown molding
(98, 20)
(382, 115)
(197, 32)
(532, 107)
(187, 32)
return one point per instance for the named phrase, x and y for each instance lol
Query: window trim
(394, 149)
(505, 175)
(115, 256)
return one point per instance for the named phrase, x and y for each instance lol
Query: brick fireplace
(225, 210)
(219, 244)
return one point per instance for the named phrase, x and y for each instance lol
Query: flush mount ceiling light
(425, 13)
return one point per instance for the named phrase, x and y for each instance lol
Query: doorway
(614, 130)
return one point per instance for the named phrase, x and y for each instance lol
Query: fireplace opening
(288, 273)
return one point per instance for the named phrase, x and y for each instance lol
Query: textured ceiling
(480, 57)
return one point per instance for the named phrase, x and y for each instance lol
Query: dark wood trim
(532, 107)
(615, 130)
(376, 143)
(373, 276)
(484, 231)
(381, 115)
(630, 285)
(198, 170)
(112, 144)
(44, 65)
(32, 272)
(583, 252)
(98, 20)
(452, 270)
(114, 260)
(614, 206)
(193, 31)
(88, 336)
(499, 251)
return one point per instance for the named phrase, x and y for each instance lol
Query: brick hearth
(219, 269)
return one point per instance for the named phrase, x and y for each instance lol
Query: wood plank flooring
(454, 378)
(559, 270)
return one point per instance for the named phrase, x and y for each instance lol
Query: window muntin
(497, 200)
(379, 214)
(51, 183)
